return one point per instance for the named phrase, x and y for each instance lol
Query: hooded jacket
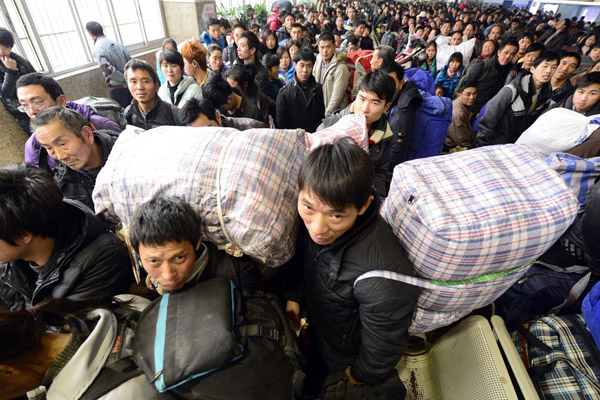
(401, 117)
(510, 112)
(187, 89)
(364, 326)
(334, 82)
(87, 261)
(296, 110)
(161, 114)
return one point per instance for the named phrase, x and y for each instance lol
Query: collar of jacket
(312, 82)
(157, 104)
(526, 89)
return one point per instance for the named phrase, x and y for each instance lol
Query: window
(52, 34)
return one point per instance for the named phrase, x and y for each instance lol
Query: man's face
(446, 28)
(506, 55)
(561, 26)
(469, 33)
(566, 67)
(524, 43)
(468, 96)
(458, 26)
(371, 106)
(376, 62)
(236, 34)
(495, 33)
(529, 58)
(35, 98)
(585, 98)
(303, 70)
(338, 41)
(10, 253)
(64, 146)
(324, 223)
(141, 85)
(215, 32)
(351, 14)
(289, 21)
(339, 22)
(297, 34)
(5, 50)
(543, 72)
(169, 264)
(514, 26)
(326, 49)
(456, 39)
(595, 54)
(244, 51)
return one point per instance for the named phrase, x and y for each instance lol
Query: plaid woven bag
(471, 222)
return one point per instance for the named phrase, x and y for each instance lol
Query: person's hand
(350, 378)
(9, 62)
(292, 309)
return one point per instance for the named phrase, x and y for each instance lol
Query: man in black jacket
(300, 104)
(50, 248)
(555, 39)
(80, 153)
(361, 326)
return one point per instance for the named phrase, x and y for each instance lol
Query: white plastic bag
(558, 130)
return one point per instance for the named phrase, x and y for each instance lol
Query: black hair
(537, 46)
(242, 74)
(217, 92)
(565, 54)
(326, 37)
(380, 83)
(71, 120)
(211, 48)
(464, 85)
(49, 84)
(387, 54)
(94, 28)
(453, 32)
(293, 43)
(169, 41)
(172, 57)
(270, 60)
(136, 64)
(588, 80)
(304, 54)
(457, 56)
(251, 38)
(30, 201)
(297, 25)
(394, 67)
(223, 23)
(546, 56)
(6, 38)
(162, 220)
(190, 111)
(282, 50)
(509, 43)
(528, 35)
(340, 174)
(212, 21)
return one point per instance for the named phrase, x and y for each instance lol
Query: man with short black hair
(460, 131)
(111, 57)
(231, 101)
(561, 80)
(213, 34)
(555, 39)
(331, 72)
(201, 112)
(300, 104)
(230, 54)
(248, 51)
(53, 248)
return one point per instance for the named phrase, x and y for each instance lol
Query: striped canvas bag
(471, 223)
(578, 173)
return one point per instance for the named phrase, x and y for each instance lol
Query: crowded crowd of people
(503, 69)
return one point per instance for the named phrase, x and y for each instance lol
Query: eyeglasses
(37, 106)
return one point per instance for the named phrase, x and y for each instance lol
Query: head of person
(374, 96)
(587, 92)
(304, 59)
(284, 58)
(335, 183)
(326, 45)
(171, 64)
(213, 28)
(37, 91)
(562, 25)
(431, 50)
(495, 33)
(237, 31)
(215, 57)
(351, 12)
(240, 77)
(269, 39)
(7, 42)
(199, 112)
(289, 21)
(339, 22)
(271, 63)
(507, 52)
(255, 28)
(458, 25)
(293, 47)
(446, 28)
(220, 94)
(248, 46)
(525, 41)
(595, 52)
(94, 29)
(469, 31)
(433, 34)
(532, 52)
(194, 57)
(67, 137)
(455, 62)
(296, 32)
(466, 93)
(488, 49)
(142, 81)
(396, 71)
(224, 27)
(439, 91)
(383, 55)
(169, 44)
(544, 67)
(569, 62)
(338, 40)
(352, 44)
(31, 204)
(165, 232)
(456, 38)
(590, 40)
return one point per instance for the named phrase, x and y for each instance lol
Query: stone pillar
(12, 139)
(186, 19)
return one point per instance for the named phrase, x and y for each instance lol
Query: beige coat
(335, 82)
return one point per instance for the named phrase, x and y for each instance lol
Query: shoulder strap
(486, 68)
(111, 377)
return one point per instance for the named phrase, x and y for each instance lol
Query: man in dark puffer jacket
(50, 248)
(361, 328)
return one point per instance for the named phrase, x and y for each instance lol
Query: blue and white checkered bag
(578, 173)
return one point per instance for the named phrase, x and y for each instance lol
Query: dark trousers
(121, 96)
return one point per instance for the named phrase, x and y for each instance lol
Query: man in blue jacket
(213, 34)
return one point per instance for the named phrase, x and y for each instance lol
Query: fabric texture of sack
(354, 126)
(579, 173)
(432, 119)
(471, 221)
(591, 312)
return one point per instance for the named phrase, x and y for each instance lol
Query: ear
(387, 107)
(62, 100)
(531, 69)
(156, 87)
(88, 134)
(26, 237)
(367, 203)
(218, 116)
(199, 242)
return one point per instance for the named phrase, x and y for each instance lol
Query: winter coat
(431, 68)
(447, 82)
(364, 326)
(230, 54)
(460, 131)
(87, 261)
(8, 78)
(207, 40)
(282, 34)
(161, 114)
(241, 124)
(334, 82)
(297, 110)
(509, 113)
(287, 77)
(557, 42)
(187, 89)
(33, 148)
(111, 57)
(274, 22)
(401, 117)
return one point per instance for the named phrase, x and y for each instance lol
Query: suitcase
(561, 357)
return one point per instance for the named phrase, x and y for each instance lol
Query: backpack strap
(111, 377)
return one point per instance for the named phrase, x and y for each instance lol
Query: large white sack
(558, 130)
